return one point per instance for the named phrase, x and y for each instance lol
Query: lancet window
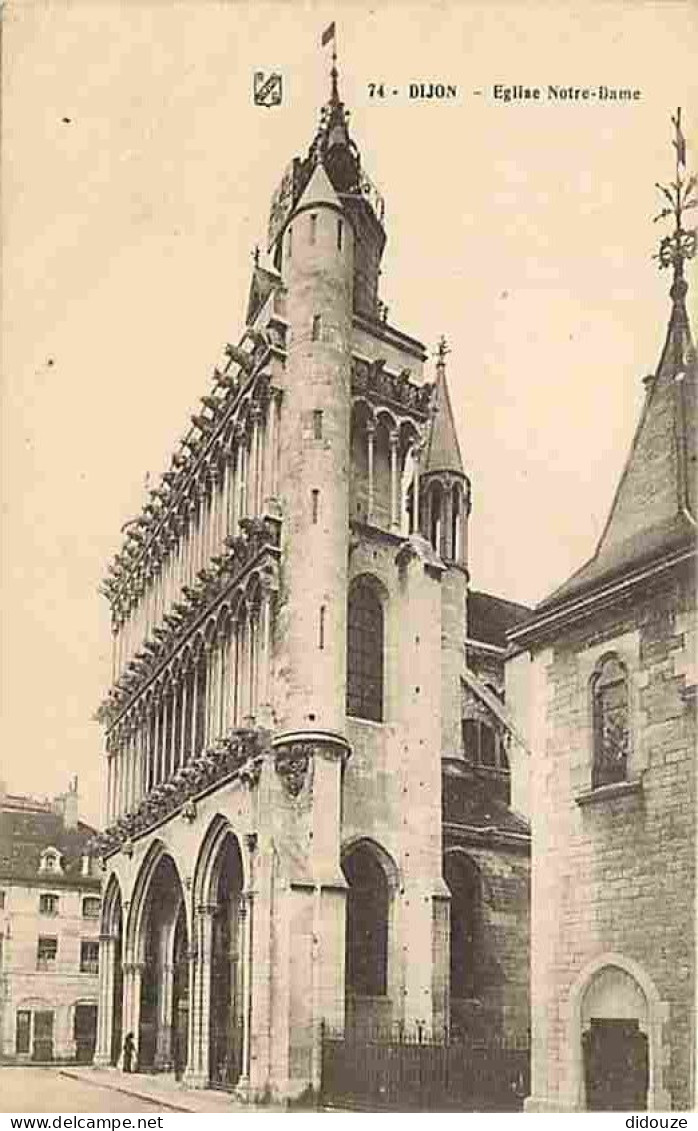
(611, 722)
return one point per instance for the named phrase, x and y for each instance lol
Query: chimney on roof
(66, 804)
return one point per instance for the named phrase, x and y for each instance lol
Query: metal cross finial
(680, 244)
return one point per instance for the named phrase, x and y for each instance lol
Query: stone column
(198, 1071)
(174, 746)
(212, 690)
(370, 440)
(415, 491)
(163, 1042)
(265, 697)
(269, 447)
(245, 986)
(256, 449)
(394, 484)
(184, 706)
(105, 1009)
(213, 514)
(203, 526)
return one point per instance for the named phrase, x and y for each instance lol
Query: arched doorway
(615, 1049)
(162, 949)
(368, 903)
(464, 883)
(227, 974)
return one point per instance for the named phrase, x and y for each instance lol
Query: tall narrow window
(340, 234)
(23, 1038)
(313, 227)
(46, 951)
(315, 505)
(321, 639)
(366, 939)
(317, 325)
(289, 242)
(89, 956)
(317, 424)
(611, 730)
(365, 654)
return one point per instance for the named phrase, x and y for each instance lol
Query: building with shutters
(49, 930)
(311, 797)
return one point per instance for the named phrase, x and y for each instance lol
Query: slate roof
(443, 449)
(26, 831)
(490, 617)
(654, 508)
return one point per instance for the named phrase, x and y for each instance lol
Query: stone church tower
(289, 617)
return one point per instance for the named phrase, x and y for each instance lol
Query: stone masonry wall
(616, 875)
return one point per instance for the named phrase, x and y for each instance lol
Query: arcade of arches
(177, 983)
(183, 962)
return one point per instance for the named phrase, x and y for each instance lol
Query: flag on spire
(328, 35)
(680, 141)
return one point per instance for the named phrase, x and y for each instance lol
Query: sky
(136, 179)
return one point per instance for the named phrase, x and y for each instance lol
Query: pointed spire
(653, 512)
(443, 449)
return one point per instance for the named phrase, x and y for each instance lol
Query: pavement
(162, 1089)
(31, 1089)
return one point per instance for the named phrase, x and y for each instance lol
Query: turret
(445, 509)
(317, 263)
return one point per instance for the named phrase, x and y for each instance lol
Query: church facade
(603, 680)
(310, 821)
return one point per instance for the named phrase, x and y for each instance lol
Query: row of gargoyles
(226, 756)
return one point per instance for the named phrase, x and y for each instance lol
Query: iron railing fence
(410, 1072)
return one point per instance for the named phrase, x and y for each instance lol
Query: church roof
(319, 190)
(489, 617)
(443, 449)
(654, 508)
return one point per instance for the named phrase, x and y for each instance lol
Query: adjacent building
(603, 680)
(49, 930)
(311, 797)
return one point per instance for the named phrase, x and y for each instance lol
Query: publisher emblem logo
(267, 89)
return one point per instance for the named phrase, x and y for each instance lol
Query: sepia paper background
(522, 232)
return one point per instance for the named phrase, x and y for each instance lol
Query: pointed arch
(218, 829)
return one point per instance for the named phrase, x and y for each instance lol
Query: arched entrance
(162, 951)
(222, 926)
(465, 939)
(615, 1023)
(367, 938)
(227, 974)
(614, 1043)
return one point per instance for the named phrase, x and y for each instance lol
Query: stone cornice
(237, 756)
(553, 620)
(373, 380)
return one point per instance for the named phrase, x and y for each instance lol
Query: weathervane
(679, 245)
(442, 349)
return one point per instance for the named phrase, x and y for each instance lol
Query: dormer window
(611, 727)
(50, 861)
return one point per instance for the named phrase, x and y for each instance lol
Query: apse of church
(286, 852)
